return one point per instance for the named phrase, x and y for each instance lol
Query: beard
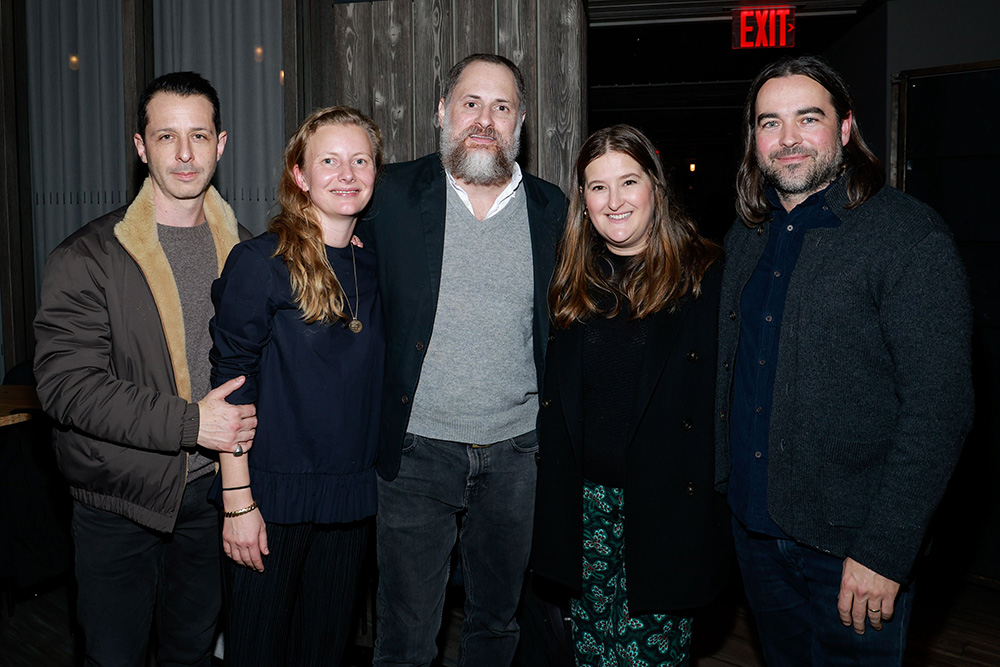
(479, 165)
(805, 177)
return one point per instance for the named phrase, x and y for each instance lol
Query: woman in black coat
(626, 417)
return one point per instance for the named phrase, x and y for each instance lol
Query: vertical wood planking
(390, 59)
(516, 31)
(393, 76)
(475, 27)
(349, 39)
(561, 97)
(432, 58)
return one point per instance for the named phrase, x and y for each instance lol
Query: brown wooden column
(137, 63)
(17, 263)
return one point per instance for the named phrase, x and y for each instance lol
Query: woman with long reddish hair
(626, 466)
(298, 314)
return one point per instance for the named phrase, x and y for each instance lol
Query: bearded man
(844, 391)
(466, 245)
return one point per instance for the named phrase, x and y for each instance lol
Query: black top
(317, 386)
(611, 362)
(677, 528)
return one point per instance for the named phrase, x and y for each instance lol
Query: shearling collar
(137, 234)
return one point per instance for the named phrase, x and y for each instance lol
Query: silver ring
(238, 451)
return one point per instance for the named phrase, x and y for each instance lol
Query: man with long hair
(466, 245)
(122, 355)
(844, 391)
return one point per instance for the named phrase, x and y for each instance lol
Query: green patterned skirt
(604, 634)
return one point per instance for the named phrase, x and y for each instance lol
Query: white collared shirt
(502, 199)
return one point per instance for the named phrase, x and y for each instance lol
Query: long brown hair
(671, 265)
(866, 176)
(317, 291)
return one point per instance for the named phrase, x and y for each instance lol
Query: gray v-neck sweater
(477, 384)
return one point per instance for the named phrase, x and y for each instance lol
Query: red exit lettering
(763, 27)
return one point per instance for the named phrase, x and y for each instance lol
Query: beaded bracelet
(246, 510)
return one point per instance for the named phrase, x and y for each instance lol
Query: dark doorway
(948, 155)
(684, 85)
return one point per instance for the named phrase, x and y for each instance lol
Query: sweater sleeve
(244, 313)
(926, 319)
(77, 384)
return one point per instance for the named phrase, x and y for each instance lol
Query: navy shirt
(317, 387)
(761, 307)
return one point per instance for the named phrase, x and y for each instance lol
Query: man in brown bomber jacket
(122, 347)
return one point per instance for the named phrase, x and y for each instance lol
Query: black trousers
(298, 611)
(125, 571)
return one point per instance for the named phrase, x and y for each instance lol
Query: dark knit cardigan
(873, 391)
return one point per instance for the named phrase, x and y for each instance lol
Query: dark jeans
(793, 590)
(481, 496)
(298, 611)
(125, 571)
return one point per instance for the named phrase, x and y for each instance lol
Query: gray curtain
(79, 141)
(235, 44)
(76, 115)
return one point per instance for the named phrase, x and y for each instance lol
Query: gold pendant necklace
(354, 324)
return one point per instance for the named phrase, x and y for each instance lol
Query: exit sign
(763, 27)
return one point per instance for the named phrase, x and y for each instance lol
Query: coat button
(546, 402)
(420, 346)
(722, 415)
(732, 315)
(552, 337)
(405, 399)
(686, 425)
(692, 356)
(690, 488)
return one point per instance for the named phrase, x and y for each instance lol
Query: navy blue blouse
(317, 387)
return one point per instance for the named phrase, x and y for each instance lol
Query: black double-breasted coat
(677, 531)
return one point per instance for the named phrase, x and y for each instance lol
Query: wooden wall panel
(475, 27)
(516, 40)
(561, 93)
(349, 40)
(393, 77)
(432, 58)
(390, 58)
(17, 256)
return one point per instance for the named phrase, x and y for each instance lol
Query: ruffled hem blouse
(317, 387)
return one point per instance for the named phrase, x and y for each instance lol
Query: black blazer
(405, 223)
(677, 533)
